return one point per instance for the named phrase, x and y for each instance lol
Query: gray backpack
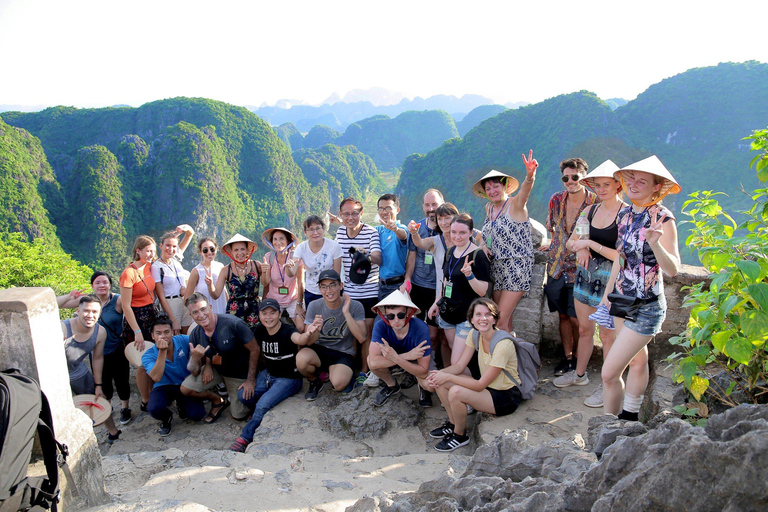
(528, 361)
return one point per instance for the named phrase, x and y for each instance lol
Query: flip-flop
(212, 417)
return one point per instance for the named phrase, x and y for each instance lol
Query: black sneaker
(564, 366)
(384, 393)
(452, 442)
(112, 438)
(425, 397)
(572, 364)
(125, 416)
(143, 407)
(443, 430)
(314, 389)
(182, 412)
(165, 427)
(408, 381)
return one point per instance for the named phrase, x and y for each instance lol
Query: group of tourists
(430, 304)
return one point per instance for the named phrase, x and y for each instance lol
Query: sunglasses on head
(391, 316)
(206, 250)
(574, 177)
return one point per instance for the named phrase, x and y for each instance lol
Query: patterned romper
(512, 248)
(244, 295)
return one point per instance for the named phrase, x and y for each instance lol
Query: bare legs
(507, 302)
(629, 349)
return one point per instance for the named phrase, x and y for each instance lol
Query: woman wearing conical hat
(647, 249)
(242, 278)
(507, 237)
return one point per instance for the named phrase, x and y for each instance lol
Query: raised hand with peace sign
(654, 232)
(467, 268)
(531, 164)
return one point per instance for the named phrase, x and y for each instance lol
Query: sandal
(239, 445)
(213, 416)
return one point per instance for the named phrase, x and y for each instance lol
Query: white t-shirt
(219, 305)
(316, 262)
(174, 276)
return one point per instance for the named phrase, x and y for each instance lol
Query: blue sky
(99, 53)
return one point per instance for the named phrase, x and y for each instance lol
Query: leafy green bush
(728, 326)
(40, 263)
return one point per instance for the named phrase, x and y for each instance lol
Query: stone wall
(31, 340)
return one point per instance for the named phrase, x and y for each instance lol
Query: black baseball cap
(270, 303)
(360, 268)
(329, 274)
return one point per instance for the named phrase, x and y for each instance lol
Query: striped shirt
(367, 238)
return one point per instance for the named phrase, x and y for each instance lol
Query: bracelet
(137, 331)
(470, 277)
(98, 385)
(600, 250)
(528, 181)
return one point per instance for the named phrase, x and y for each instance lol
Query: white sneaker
(596, 398)
(571, 379)
(372, 380)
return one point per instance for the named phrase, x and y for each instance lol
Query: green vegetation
(477, 116)
(320, 135)
(290, 135)
(728, 327)
(40, 263)
(344, 171)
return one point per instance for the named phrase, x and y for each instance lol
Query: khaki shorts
(180, 311)
(237, 409)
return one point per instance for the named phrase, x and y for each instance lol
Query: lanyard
(280, 267)
(451, 264)
(635, 226)
(493, 221)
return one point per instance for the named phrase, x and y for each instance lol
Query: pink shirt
(280, 280)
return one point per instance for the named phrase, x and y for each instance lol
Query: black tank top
(604, 236)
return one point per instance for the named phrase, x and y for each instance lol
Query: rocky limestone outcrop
(675, 466)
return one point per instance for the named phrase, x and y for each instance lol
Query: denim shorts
(462, 329)
(649, 318)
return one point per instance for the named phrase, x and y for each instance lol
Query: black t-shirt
(279, 351)
(228, 341)
(462, 293)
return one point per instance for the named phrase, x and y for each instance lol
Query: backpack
(24, 409)
(528, 361)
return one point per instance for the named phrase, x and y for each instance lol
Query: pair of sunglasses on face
(206, 250)
(574, 177)
(391, 316)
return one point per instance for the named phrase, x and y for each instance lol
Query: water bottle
(582, 226)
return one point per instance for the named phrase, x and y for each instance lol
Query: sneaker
(425, 397)
(125, 416)
(571, 379)
(596, 398)
(182, 412)
(372, 380)
(239, 445)
(572, 364)
(165, 427)
(443, 430)
(112, 438)
(314, 389)
(563, 366)
(452, 442)
(383, 395)
(143, 407)
(470, 409)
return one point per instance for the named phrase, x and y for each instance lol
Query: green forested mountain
(320, 135)
(388, 141)
(29, 193)
(477, 116)
(343, 170)
(290, 135)
(693, 121)
(209, 164)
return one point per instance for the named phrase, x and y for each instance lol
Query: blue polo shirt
(394, 252)
(176, 370)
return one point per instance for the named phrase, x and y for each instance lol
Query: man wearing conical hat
(398, 340)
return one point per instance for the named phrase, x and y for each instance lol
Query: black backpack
(24, 409)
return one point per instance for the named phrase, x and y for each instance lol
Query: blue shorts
(649, 318)
(462, 329)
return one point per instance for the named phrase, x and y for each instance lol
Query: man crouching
(398, 340)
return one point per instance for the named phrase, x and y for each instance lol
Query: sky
(102, 53)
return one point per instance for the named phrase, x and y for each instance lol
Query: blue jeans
(162, 396)
(269, 392)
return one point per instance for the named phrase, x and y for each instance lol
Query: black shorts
(367, 305)
(423, 298)
(506, 402)
(560, 296)
(329, 357)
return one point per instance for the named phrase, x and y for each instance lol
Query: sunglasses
(391, 316)
(206, 250)
(574, 177)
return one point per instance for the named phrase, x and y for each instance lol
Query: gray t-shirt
(335, 333)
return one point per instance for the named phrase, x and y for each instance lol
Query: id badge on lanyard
(282, 290)
(428, 258)
(448, 289)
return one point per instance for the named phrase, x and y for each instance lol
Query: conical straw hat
(397, 298)
(510, 183)
(98, 409)
(604, 170)
(226, 248)
(651, 165)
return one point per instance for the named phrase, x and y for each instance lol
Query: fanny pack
(627, 307)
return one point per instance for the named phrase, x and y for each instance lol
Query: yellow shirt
(504, 357)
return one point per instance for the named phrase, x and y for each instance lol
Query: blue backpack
(528, 361)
